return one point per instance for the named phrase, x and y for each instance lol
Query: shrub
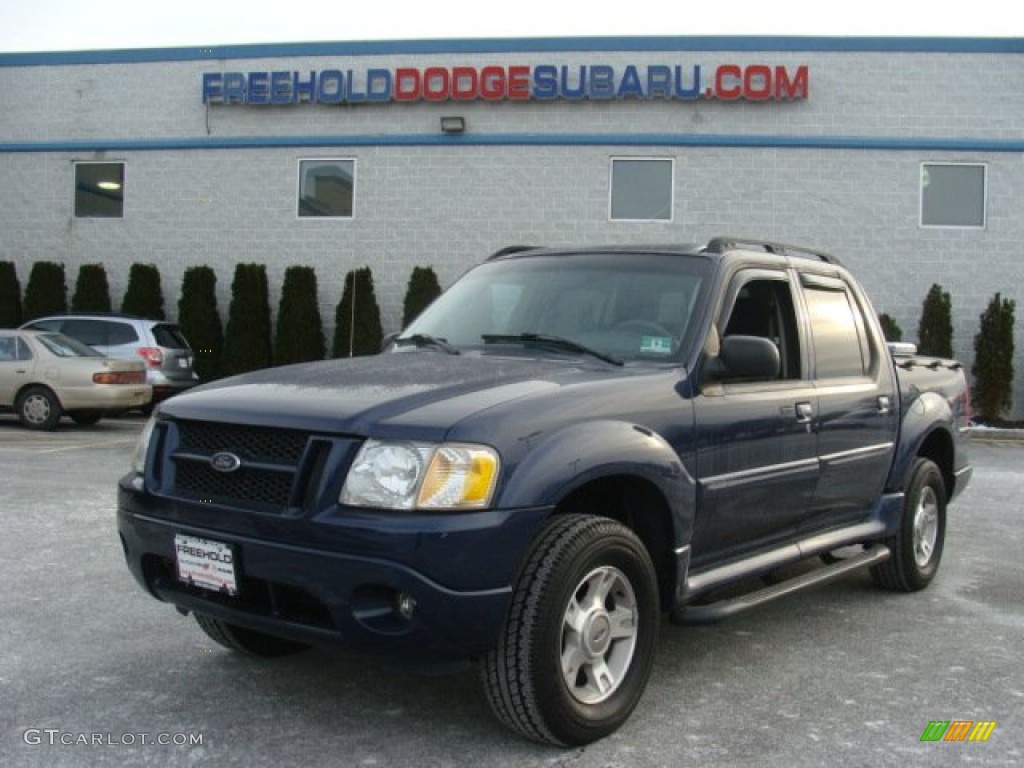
(423, 289)
(992, 394)
(935, 331)
(10, 296)
(144, 296)
(247, 336)
(200, 321)
(357, 328)
(92, 293)
(300, 330)
(46, 292)
(890, 328)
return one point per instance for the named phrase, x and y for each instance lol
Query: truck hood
(417, 394)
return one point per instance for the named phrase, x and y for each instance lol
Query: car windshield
(65, 346)
(624, 306)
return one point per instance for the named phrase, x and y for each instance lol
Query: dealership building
(902, 156)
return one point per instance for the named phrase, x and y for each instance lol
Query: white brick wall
(449, 206)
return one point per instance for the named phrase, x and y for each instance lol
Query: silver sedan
(44, 375)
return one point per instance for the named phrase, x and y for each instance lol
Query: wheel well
(938, 447)
(638, 505)
(34, 385)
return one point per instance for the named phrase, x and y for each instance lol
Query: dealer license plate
(205, 563)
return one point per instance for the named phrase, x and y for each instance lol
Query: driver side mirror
(744, 358)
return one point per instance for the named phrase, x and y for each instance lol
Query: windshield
(628, 306)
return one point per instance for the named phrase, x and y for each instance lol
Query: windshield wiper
(544, 339)
(426, 340)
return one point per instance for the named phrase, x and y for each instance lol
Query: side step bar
(706, 614)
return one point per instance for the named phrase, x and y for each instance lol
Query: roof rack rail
(722, 244)
(510, 249)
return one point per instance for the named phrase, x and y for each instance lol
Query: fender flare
(554, 465)
(929, 413)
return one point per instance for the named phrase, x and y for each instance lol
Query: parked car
(44, 375)
(161, 345)
(565, 445)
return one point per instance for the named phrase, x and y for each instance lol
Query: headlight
(400, 475)
(142, 447)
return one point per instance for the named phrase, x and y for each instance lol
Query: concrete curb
(996, 435)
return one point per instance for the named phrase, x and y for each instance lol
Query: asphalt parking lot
(94, 672)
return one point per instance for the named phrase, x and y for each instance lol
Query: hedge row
(248, 341)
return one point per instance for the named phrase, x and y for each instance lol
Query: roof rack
(723, 244)
(510, 249)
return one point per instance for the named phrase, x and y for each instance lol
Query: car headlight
(408, 475)
(142, 447)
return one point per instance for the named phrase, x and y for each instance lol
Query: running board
(706, 614)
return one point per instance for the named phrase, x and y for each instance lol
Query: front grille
(274, 446)
(243, 485)
(272, 462)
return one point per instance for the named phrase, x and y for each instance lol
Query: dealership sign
(547, 82)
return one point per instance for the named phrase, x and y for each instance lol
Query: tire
(917, 547)
(86, 418)
(247, 641)
(38, 408)
(575, 653)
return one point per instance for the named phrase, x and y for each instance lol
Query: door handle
(804, 412)
(884, 405)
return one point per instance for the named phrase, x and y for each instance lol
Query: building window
(953, 195)
(641, 189)
(99, 190)
(326, 188)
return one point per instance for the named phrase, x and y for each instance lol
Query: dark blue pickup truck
(568, 445)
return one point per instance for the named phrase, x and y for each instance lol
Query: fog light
(405, 605)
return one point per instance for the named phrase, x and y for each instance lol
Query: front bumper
(321, 596)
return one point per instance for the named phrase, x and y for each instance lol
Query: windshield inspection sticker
(656, 345)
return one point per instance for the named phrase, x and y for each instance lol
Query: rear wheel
(576, 650)
(86, 418)
(38, 408)
(247, 641)
(917, 547)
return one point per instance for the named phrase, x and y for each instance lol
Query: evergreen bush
(199, 320)
(423, 289)
(300, 330)
(357, 328)
(992, 394)
(890, 328)
(247, 337)
(92, 292)
(935, 330)
(46, 292)
(10, 296)
(144, 296)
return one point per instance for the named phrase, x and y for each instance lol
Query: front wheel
(917, 546)
(576, 650)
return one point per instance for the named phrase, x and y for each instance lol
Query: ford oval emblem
(225, 462)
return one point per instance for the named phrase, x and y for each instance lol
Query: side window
(120, 333)
(840, 348)
(764, 307)
(87, 331)
(8, 348)
(24, 351)
(45, 325)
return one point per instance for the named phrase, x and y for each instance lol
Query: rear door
(756, 445)
(16, 366)
(858, 411)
